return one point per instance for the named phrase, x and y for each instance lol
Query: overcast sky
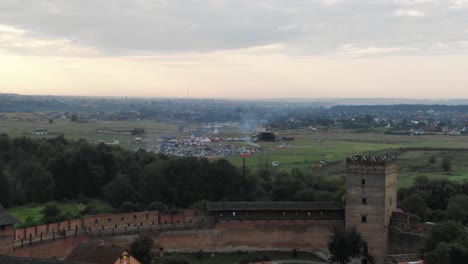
(235, 49)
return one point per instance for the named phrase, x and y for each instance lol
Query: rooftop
(6, 219)
(92, 253)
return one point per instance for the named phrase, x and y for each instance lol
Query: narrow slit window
(363, 200)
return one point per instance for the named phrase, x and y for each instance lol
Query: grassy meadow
(33, 211)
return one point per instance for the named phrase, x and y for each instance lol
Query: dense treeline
(56, 169)
(359, 109)
(436, 200)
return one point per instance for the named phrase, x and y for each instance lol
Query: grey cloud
(302, 26)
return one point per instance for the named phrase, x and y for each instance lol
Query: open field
(222, 258)
(414, 164)
(307, 148)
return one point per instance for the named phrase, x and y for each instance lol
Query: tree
(119, 190)
(51, 213)
(457, 208)
(157, 206)
(74, 118)
(446, 244)
(416, 204)
(141, 249)
(347, 243)
(51, 121)
(446, 164)
(4, 189)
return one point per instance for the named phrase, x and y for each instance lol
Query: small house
(215, 131)
(40, 131)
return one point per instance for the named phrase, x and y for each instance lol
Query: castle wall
(54, 249)
(6, 239)
(105, 221)
(404, 242)
(310, 236)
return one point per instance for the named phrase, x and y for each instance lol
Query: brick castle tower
(370, 198)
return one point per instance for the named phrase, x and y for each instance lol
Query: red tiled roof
(91, 253)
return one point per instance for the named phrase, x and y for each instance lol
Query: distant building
(138, 131)
(100, 254)
(40, 131)
(266, 136)
(215, 131)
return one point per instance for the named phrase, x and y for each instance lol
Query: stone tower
(370, 198)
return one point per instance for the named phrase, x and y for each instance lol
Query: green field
(33, 211)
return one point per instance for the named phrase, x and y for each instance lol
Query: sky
(235, 48)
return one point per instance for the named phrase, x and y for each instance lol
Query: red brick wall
(249, 235)
(120, 220)
(165, 219)
(129, 219)
(178, 218)
(59, 248)
(6, 240)
(196, 215)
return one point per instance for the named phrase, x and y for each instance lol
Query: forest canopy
(44, 170)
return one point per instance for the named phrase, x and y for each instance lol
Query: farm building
(40, 131)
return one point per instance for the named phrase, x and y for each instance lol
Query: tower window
(364, 218)
(363, 181)
(363, 200)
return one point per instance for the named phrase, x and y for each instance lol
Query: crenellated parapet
(371, 164)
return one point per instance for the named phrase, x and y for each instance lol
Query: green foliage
(157, 206)
(200, 254)
(446, 164)
(447, 243)
(51, 213)
(346, 243)
(457, 208)
(119, 190)
(128, 207)
(435, 200)
(141, 249)
(415, 203)
(5, 191)
(432, 159)
(29, 221)
(74, 118)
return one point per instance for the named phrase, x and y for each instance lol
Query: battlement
(370, 160)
